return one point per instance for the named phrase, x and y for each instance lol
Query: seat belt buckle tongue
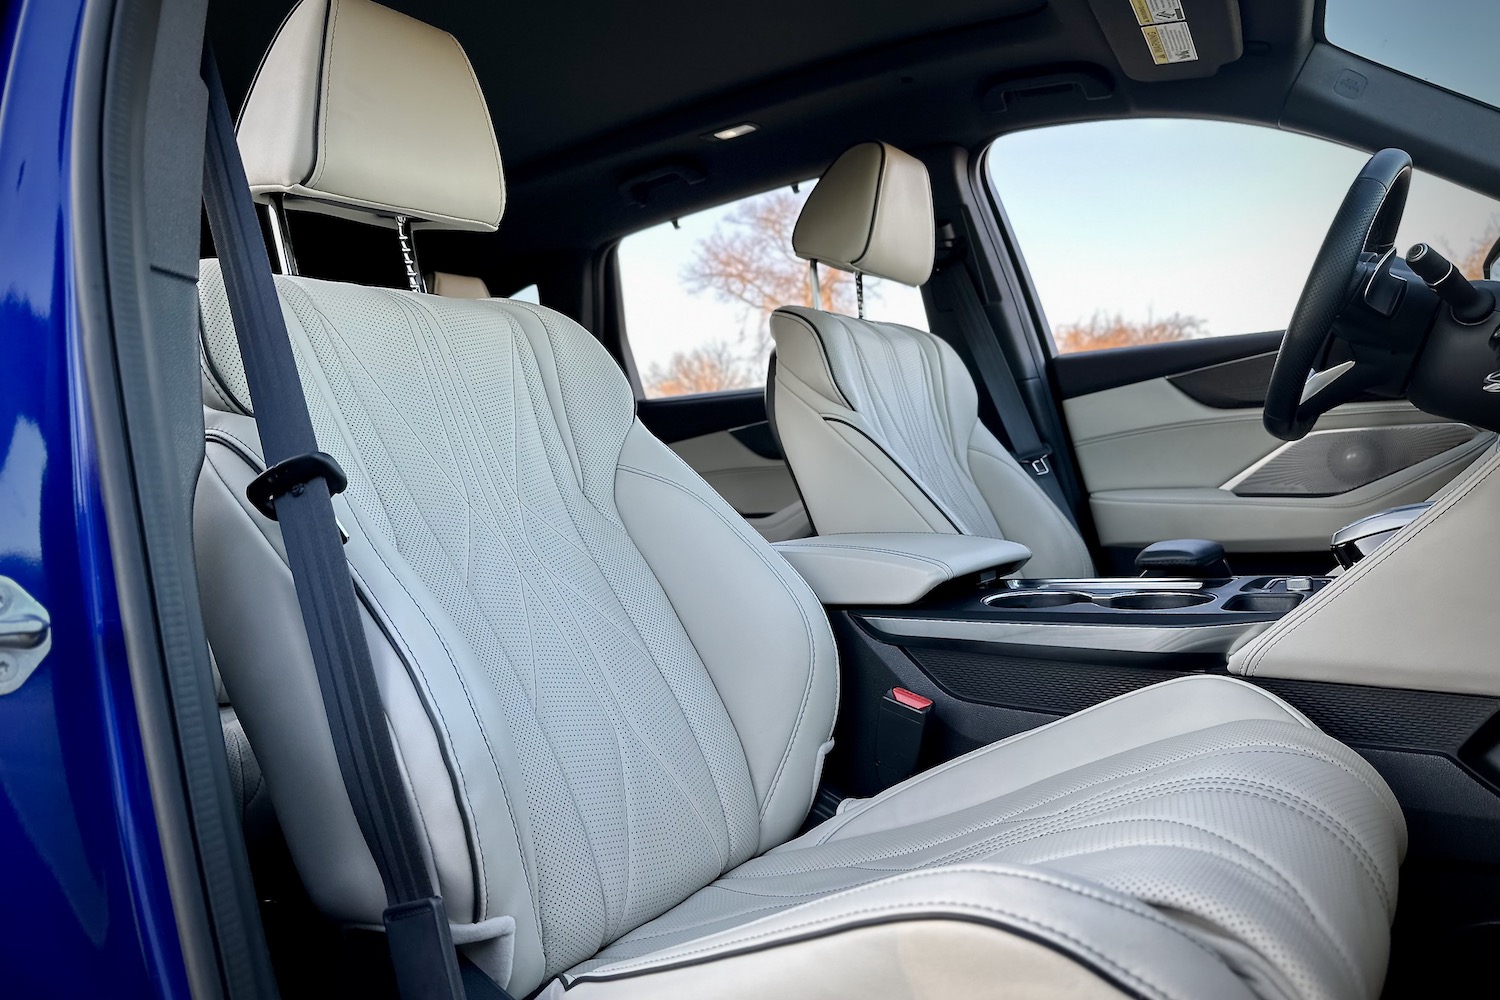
(422, 953)
(291, 475)
(1037, 462)
(898, 734)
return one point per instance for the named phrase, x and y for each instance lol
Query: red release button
(911, 699)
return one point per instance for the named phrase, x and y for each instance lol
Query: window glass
(698, 295)
(1150, 230)
(1447, 42)
(528, 294)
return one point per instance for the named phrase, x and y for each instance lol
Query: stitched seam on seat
(1101, 798)
(1109, 799)
(929, 497)
(1134, 978)
(823, 354)
(1282, 881)
(1106, 799)
(1139, 910)
(812, 668)
(325, 85)
(600, 681)
(1020, 738)
(334, 331)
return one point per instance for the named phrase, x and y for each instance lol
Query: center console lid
(892, 568)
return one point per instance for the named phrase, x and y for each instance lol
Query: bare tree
(1471, 262)
(1102, 331)
(709, 368)
(748, 259)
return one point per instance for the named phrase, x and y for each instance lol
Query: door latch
(25, 635)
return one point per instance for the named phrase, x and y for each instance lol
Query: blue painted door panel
(84, 909)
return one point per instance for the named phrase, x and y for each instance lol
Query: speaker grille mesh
(1327, 463)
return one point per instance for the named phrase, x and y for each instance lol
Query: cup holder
(1263, 604)
(1153, 601)
(1032, 599)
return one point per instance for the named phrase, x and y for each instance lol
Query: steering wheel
(1359, 247)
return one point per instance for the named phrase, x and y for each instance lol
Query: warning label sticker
(1157, 11)
(1170, 43)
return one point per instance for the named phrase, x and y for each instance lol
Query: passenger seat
(879, 421)
(612, 698)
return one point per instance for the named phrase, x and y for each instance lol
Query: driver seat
(880, 422)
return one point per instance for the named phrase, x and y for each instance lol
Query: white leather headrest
(363, 112)
(871, 213)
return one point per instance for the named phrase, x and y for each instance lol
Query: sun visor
(1157, 40)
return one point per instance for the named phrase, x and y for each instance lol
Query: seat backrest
(606, 689)
(880, 422)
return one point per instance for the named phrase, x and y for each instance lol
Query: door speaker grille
(1327, 463)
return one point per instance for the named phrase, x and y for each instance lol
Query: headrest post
(859, 292)
(414, 279)
(817, 288)
(281, 236)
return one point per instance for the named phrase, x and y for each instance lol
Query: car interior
(917, 652)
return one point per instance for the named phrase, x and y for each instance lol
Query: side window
(1149, 230)
(699, 293)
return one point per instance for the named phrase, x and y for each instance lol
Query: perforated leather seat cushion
(1263, 840)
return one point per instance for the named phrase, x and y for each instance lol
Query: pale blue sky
(1139, 217)
(1217, 220)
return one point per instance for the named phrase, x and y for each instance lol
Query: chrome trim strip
(1113, 638)
(1107, 584)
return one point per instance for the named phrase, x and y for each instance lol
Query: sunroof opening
(1449, 43)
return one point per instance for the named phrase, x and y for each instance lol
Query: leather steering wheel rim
(1366, 222)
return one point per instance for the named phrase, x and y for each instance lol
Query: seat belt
(956, 291)
(296, 490)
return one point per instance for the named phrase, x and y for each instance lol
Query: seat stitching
(812, 669)
(1001, 745)
(1102, 803)
(1138, 910)
(600, 680)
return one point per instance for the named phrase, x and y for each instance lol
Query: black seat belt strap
(1035, 456)
(297, 489)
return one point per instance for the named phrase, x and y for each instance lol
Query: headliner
(590, 93)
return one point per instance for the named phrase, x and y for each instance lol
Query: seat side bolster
(271, 681)
(981, 930)
(754, 622)
(1024, 512)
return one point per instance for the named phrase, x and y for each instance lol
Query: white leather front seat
(612, 698)
(879, 421)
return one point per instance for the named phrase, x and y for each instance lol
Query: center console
(1145, 615)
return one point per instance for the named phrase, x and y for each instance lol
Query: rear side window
(1152, 230)
(699, 293)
